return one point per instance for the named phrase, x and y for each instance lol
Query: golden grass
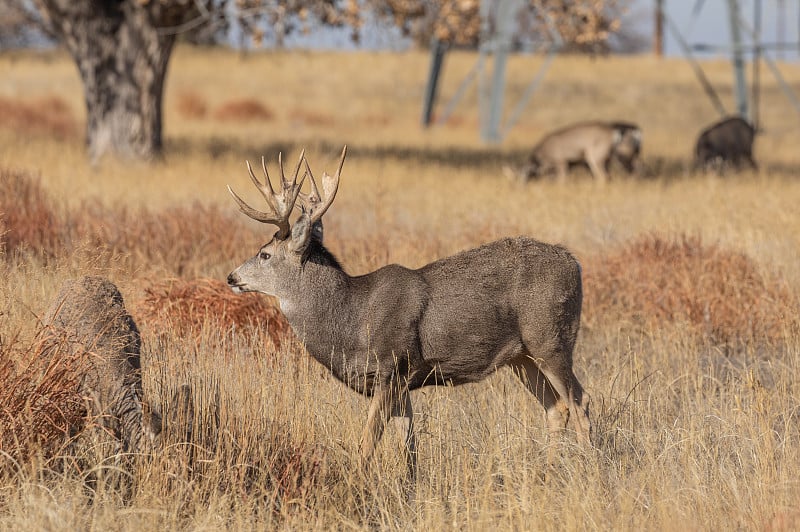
(696, 419)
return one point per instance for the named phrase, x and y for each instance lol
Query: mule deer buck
(514, 302)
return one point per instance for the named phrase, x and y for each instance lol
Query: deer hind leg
(404, 417)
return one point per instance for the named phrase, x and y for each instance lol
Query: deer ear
(301, 234)
(303, 231)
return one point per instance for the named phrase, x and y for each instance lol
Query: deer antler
(312, 203)
(280, 204)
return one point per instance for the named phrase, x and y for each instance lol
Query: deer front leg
(562, 167)
(390, 401)
(380, 407)
(597, 169)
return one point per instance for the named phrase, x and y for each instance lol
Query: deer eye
(264, 255)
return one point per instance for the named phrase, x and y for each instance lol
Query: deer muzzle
(235, 283)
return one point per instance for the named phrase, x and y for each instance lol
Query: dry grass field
(690, 339)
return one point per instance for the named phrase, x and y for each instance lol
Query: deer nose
(232, 279)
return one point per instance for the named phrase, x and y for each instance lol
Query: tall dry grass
(39, 402)
(27, 215)
(689, 346)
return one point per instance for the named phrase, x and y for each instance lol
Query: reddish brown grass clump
(182, 241)
(189, 306)
(296, 470)
(27, 218)
(191, 105)
(45, 116)
(783, 522)
(377, 120)
(39, 399)
(242, 111)
(310, 118)
(655, 281)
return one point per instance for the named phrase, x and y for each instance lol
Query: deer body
(592, 143)
(492, 305)
(514, 302)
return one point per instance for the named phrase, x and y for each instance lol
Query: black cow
(725, 143)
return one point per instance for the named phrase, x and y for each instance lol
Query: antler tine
(341, 163)
(330, 184)
(280, 205)
(313, 202)
(295, 186)
(283, 201)
(299, 164)
(313, 197)
(266, 174)
(264, 217)
(290, 188)
(280, 165)
(266, 190)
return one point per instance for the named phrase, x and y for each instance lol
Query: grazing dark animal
(514, 302)
(594, 144)
(728, 143)
(90, 316)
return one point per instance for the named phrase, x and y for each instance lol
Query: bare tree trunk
(122, 58)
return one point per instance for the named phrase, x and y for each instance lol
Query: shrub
(191, 105)
(189, 305)
(311, 118)
(657, 280)
(39, 399)
(27, 217)
(242, 111)
(376, 120)
(46, 116)
(182, 241)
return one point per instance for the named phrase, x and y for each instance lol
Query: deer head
(277, 265)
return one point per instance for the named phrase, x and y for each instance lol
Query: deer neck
(320, 309)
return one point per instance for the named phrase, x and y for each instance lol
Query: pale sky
(712, 25)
